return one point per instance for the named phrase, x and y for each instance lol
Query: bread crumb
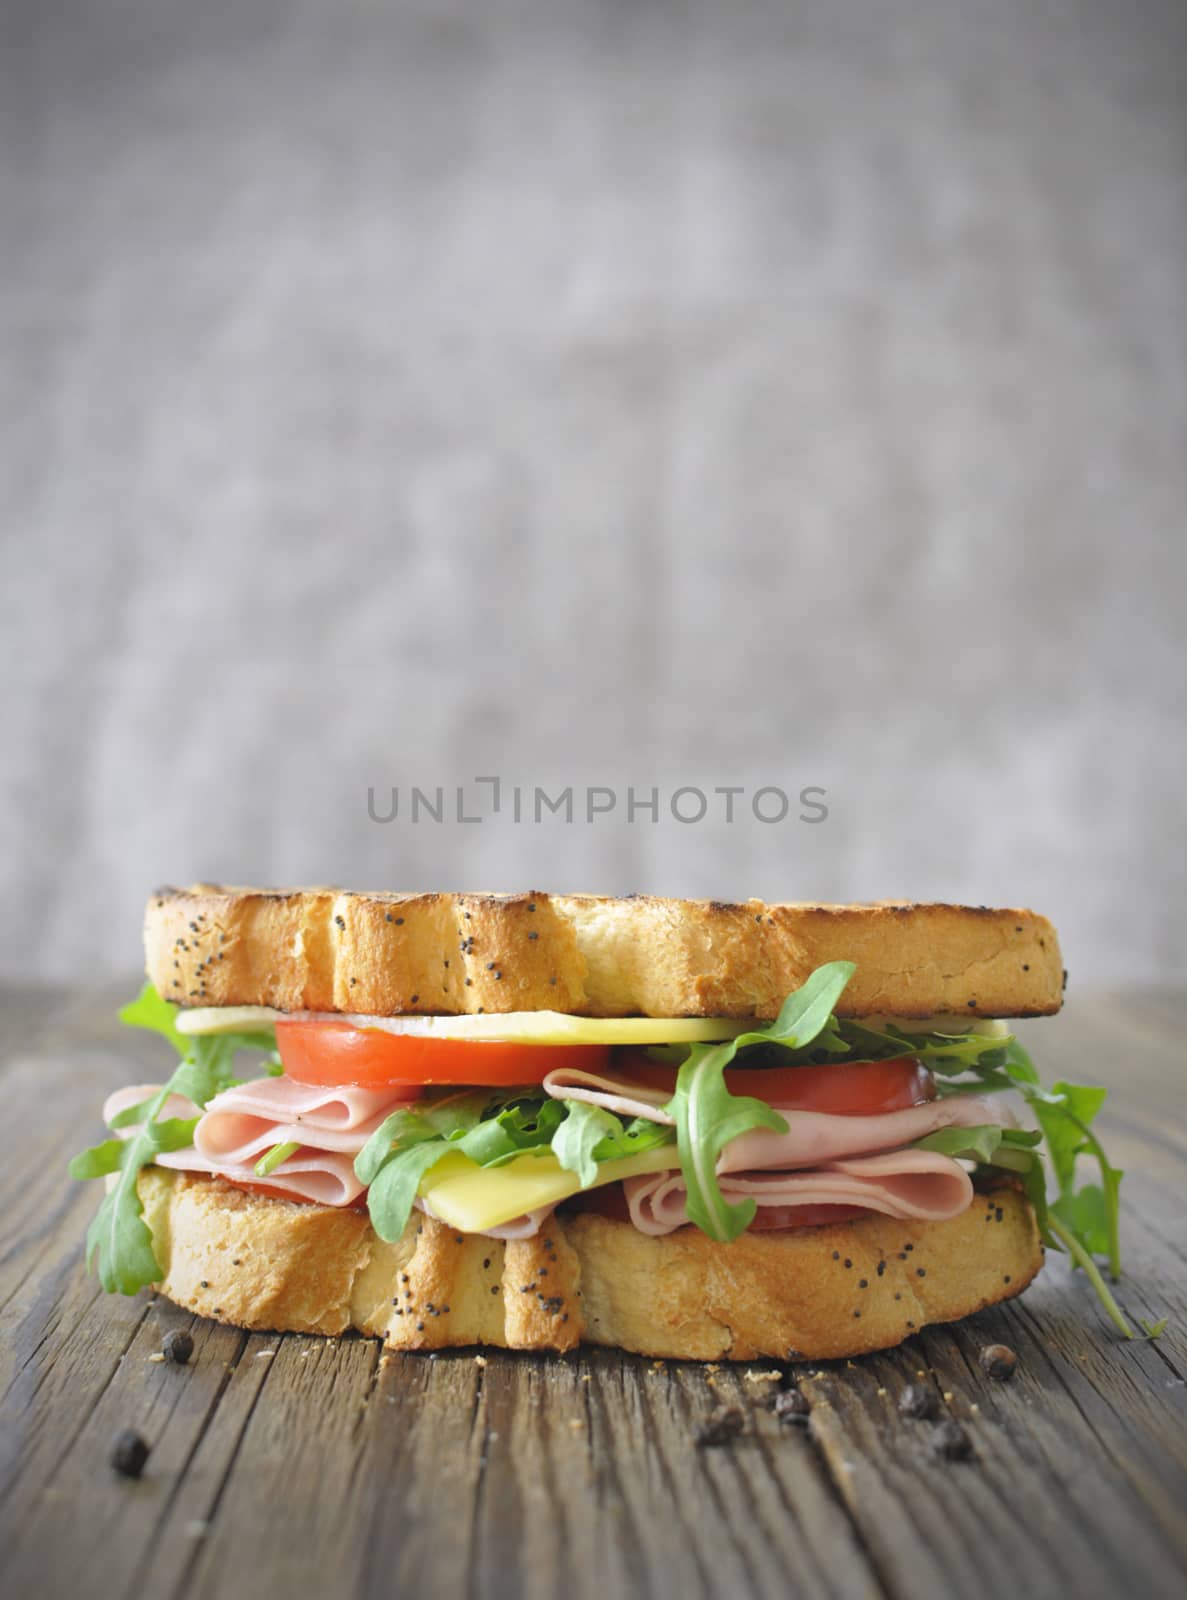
(261, 1354)
(587, 1377)
(974, 1406)
(480, 1361)
(576, 1423)
(947, 1395)
(881, 1391)
(713, 1366)
(657, 1366)
(763, 1377)
(157, 1355)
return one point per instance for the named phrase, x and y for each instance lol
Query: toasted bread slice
(815, 1293)
(449, 954)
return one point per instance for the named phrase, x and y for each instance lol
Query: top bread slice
(447, 954)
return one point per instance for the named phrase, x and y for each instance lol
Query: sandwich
(681, 1128)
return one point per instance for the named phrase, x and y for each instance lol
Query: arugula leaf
(1013, 1149)
(980, 1143)
(585, 1128)
(639, 1134)
(401, 1129)
(98, 1161)
(1063, 1126)
(1064, 1113)
(131, 1115)
(148, 1010)
(393, 1190)
(271, 1159)
(944, 1053)
(118, 1236)
(491, 1128)
(525, 1127)
(119, 1243)
(446, 1119)
(708, 1116)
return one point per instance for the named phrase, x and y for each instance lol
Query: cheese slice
(473, 1199)
(517, 1027)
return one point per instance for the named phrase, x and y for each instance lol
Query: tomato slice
(848, 1089)
(336, 1053)
(769, 1218)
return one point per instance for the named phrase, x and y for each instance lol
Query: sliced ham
(814, 1138)
(323, 1177)
(918, 1184)
(620, 1095)
(319, 1107)
(329, 1125)
(242, 1123)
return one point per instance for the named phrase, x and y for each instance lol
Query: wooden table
(290, 1466)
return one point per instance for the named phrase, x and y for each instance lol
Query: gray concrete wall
(589, 393)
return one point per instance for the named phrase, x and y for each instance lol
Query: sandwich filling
(490, 1123)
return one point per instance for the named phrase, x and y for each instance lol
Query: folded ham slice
(620, 1095)
(814, 1137)
(324, 1177)
(906, 1184)
(242, 1123)
(329, 1125)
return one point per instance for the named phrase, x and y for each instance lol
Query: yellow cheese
(472, 1199)
(549, 1027)
(517, 1027)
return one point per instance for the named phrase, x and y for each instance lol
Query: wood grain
(286, 1462)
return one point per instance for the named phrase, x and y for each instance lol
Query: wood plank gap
(877, 1572)
(708, 1460)
(73, 1436)
(139, 1583)
(187, 1573)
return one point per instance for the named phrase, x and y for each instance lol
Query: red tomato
(768, 1218)
(849, 1089)
(336, 1052)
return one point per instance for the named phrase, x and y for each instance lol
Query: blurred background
(594, 393)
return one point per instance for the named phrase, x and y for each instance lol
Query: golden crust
(820, 1293)
(445, 954)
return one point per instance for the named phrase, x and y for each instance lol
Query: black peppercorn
(951, 1442)
(791, 1407)
(998, 1361)
(918, 1400)
(178, 1346)
(722, 1425)
(129, 1453)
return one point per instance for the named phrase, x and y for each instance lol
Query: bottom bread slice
(818, 1293)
